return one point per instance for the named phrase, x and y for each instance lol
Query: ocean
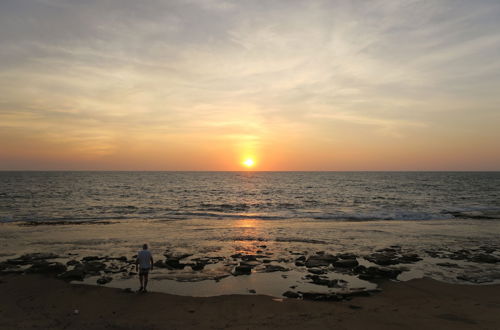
(328, 196)
(443, 225)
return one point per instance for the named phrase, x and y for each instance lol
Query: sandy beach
(34, 301)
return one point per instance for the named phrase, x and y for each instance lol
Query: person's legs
(145, 281)
(141, 280)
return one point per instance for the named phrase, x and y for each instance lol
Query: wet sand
(33, 301)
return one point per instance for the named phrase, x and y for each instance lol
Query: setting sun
(249, 162)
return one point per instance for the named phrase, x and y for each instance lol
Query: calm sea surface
(328, 196)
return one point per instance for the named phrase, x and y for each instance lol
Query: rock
(346, 256)
(177, 256)
(321, 296)
(376, 273)
(249, 257)
(73, 275)
(355, 307)
(92, 267)
(346, 263)
(486, 258)
(360, 293)
(275, 268)
(250, 263)
(409, 258)
(44, 267)
(236, 255)
(242, 270)
(91, 258)
(198, 266)
(299, 263)
(73, 263)
(122, 259)
(30, 258)
(159, 264)
(383, 259)
(320, 260)
(301, 258)
(291, 294)
(448, 264)
(324, 281)
(103, 280)
(317, 271)
(15, 270)
(174, 264)
(252, 291)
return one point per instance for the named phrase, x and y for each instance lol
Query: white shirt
(144, 257)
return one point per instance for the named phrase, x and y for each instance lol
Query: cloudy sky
(205, 84)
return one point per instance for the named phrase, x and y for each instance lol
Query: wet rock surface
(328, 271)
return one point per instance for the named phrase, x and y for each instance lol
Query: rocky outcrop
(45, 267)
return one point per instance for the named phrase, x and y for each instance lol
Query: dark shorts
(143, 271)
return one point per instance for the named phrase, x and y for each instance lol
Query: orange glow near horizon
(251, 92)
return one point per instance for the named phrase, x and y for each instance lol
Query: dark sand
(29, 301)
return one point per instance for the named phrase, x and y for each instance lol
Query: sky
(208, 84)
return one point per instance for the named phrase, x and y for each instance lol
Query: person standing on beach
(144, 264)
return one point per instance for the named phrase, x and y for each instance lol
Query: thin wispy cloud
(249, 75)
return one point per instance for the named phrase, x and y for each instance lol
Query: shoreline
(37, 301)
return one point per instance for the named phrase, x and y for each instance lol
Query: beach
(33, 301)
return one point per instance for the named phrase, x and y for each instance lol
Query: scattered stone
(320, 260)
(176, 256)
(291, 294)
(174, 264)
(73, 275)
(383, 259)
(159, 264)
(30, 258)
(317, 271)
(321, 296)
(103, 280)
(346, 256)
(45, 267)
(249, 257)
(346, 263)
(92, 267)
(486, 258)
(73, 263)
(409, 258)
(252, 291)
(242, 270)
(316, 279)
(376, 273)
(448, 264)
(275, 268)
(198, 266)
(91, 258)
